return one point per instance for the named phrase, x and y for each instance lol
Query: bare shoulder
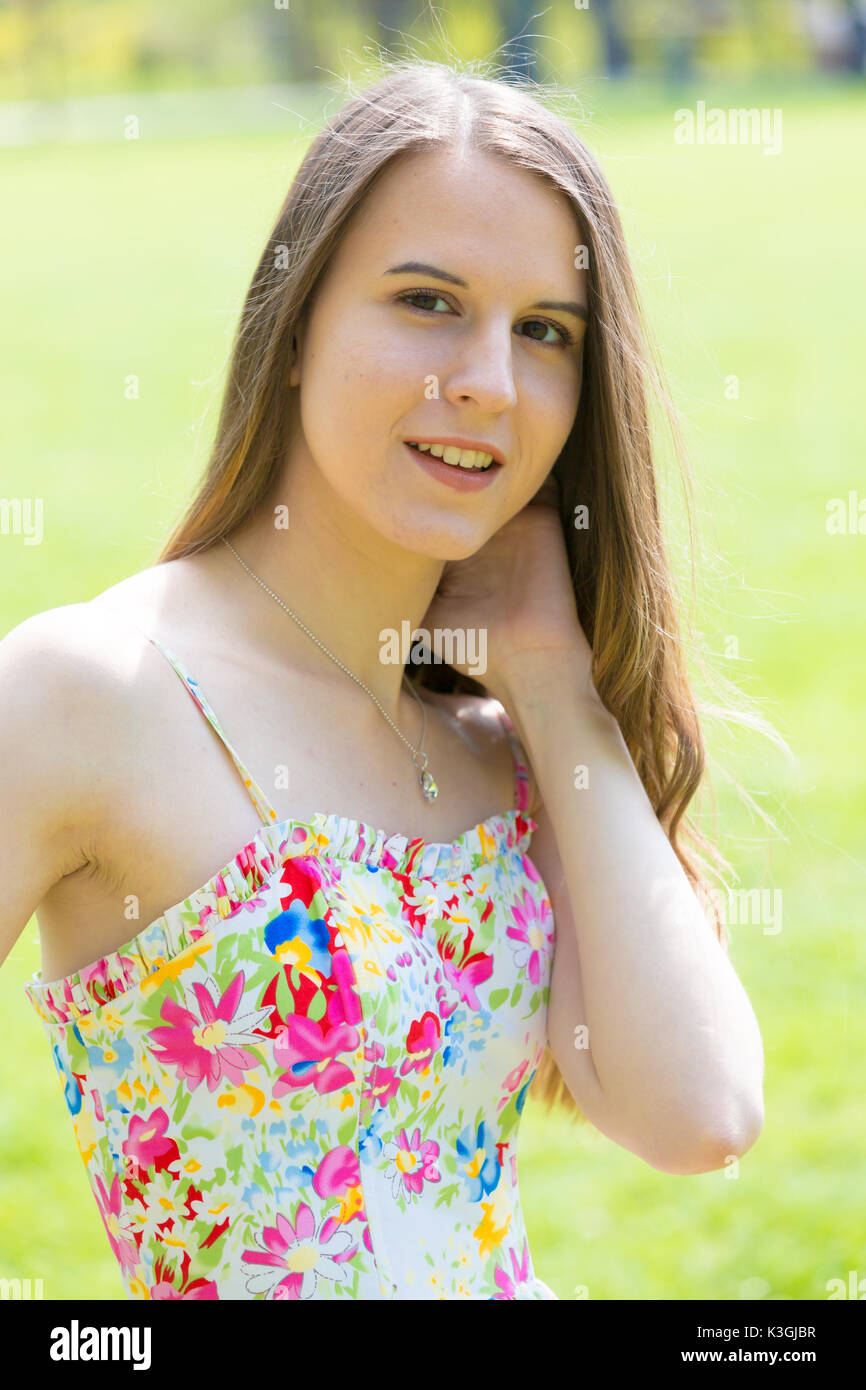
(58, 658)
(66, 677)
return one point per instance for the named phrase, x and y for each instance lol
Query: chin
(438, 540)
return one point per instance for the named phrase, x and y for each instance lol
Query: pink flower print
(100, 984)
(339, 1175)
(122, 1244)
(311, 1056)
(513, 1079)
(293, 1259)
(246, 862)
(148, 1145)
(344, 1005)
(533, 932)
(252, 903)
(520, 1271)
(209, 1047)
(422, 1041)
(384, 1085)
(414, 1163)
(463, 969)
(226, 904)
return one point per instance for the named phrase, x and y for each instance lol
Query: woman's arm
(673, 1069)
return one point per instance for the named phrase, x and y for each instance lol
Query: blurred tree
(288, 42)
(617, 59)
(389, 16)
(857, 38)
(521, 56)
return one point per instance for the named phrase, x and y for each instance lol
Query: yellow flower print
(85, 1134)
(245, 1099)
(372, 914)
(174, 968)
(493, 1227)
(356, 933)
(298, 953)
(351, 1202)
(487, 843)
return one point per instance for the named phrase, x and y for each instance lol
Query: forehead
(476, 208)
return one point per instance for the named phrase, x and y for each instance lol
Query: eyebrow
(566, 306)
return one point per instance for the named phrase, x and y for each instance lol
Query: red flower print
(422, 1041)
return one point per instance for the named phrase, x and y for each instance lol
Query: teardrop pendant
(429, 789)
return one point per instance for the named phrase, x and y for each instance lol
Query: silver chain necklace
(429, 789)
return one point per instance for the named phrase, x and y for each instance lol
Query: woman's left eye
(565, 337)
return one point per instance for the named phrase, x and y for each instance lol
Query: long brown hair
(623, 585)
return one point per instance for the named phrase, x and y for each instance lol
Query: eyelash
(568, 338)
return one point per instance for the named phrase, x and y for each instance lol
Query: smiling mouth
(462, 460)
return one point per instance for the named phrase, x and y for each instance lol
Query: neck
(344, 580)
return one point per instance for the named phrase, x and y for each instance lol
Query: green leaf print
(346, 1130)
(317, 1006)
(234, 1158)
(295, 978)
(225, 950)
(516, 993)
(209, 1256)
(447, 1194)
(432, 1113)
(318, 906)
(181, 1106)
(497, 998)
(260, 979)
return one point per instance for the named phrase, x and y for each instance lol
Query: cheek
(556, 402)
(357, 387)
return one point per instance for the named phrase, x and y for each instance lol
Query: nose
(482, 369)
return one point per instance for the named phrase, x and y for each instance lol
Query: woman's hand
(518, 589)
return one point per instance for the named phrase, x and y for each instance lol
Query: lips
(459, 442)
(461, 479)
(427, 450)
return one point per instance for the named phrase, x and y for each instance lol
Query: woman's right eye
(409, 295)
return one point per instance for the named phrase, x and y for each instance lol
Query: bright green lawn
(134, 258)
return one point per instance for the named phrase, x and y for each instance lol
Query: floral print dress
(306, 1079)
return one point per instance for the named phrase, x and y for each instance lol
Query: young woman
(298, 966)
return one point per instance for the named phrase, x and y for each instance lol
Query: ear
(297, 348)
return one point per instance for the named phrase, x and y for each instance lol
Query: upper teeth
(449, 453)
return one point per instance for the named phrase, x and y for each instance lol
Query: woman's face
(477, 360)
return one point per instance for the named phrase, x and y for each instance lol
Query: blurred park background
(130, 257)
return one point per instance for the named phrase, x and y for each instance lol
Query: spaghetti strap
(266, 812)
(521, 765)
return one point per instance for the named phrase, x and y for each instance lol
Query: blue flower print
(479, 1161)
(71, 1093)
(311, 934)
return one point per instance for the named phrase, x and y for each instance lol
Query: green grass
(133, 259)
